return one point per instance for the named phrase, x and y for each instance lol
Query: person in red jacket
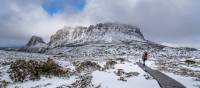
(144, 57)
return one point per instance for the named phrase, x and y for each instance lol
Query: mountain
(100, 39)
(35, 41)
(35, 45)
(99, 33)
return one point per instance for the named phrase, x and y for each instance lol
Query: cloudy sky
(171, 22)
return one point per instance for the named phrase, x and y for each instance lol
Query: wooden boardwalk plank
(163, 80)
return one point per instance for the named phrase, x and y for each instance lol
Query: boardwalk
(163, 80)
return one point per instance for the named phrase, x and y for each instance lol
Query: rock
(148, 77)
(119, 72)
(122, 79)
(34, 41)
(130, 74)
(35, 45)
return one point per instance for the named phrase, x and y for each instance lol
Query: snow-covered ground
(44, 82)
(188, 75)
(188, 82)
(107, 78)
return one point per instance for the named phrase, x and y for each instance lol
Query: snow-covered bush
(87, 66)
(83, 82)
(3, 83)
(22, 70)
(110, 64)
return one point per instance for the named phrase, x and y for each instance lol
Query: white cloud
(20, 21)
(159, 20)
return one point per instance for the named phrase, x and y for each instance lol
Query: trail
(163, 80)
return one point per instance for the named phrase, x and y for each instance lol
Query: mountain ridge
(100, 39)
(101, 32)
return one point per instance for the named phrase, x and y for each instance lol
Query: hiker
(144, 57)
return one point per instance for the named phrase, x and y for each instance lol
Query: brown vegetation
(22, 70)
(110, 64)
(86, 66)
(83, 82)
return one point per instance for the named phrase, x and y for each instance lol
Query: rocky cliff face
(35, 45)
(99, 33)
(34, 41)
(100, 39)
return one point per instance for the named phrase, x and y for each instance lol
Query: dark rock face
(35, 40)
(124, 28)
(35, 45)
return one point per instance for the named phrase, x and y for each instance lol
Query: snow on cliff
(99, 33)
